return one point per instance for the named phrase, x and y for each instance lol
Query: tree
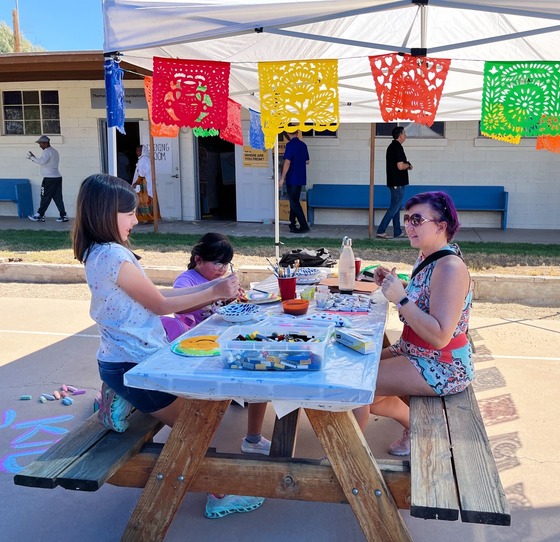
(7, 41)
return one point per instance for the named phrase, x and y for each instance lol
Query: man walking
(51, 187)
(294, 172)
(397, 168)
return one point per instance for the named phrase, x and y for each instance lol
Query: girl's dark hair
(212, 247)
(100, 198)
(442, 204)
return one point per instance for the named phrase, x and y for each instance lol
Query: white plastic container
(255, 355)
(346, 267)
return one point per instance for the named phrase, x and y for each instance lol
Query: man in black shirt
(397, 168)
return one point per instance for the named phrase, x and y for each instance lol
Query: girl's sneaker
(401, 446)
(113, 410)
(230, 504)
(261, 447)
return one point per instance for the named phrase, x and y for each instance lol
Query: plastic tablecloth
(346, 381)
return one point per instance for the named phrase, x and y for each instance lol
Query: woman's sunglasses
(416, 220)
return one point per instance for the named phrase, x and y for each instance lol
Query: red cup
(287, 287)
(357, 265)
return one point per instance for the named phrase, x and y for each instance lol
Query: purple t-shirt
(191, 277)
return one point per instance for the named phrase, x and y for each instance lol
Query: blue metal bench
(356, 196)
(18, 191)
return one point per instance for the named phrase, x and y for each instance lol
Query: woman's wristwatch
(402, 303)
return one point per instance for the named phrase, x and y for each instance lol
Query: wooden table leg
(285, 435)
(359, 476)
(175, 469)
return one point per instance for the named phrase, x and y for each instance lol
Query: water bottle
(346, 267)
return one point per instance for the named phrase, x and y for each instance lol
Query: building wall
(78, 145)
(531, 177)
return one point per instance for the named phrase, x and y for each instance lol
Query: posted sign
(254, 157)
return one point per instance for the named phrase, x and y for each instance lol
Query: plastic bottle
(346, 267)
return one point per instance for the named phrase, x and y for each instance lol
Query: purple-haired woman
(433, 356)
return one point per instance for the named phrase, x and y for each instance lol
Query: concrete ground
(53, 341)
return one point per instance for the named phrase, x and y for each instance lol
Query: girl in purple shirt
(210, 259)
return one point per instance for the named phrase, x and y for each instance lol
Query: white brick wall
(531, 177)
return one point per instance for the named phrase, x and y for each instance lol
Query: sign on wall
(254, 157)
(134, 98)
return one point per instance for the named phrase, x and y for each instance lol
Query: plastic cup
(287, 287)
(358, 265)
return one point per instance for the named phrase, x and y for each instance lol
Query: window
(435, 131)
(31, 112)
(320, 133)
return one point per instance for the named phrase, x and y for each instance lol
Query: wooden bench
(451, 472)
(19, 192)
(356, 196)
(88, 456)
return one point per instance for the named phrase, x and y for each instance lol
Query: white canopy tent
(245, 32)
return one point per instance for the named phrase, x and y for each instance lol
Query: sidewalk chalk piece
(48, 396)
(43, 399)
(25, 398)
(70, 388)
(64, 387)
(56, 394)
(67, 401)
(78, 392)
(64, 394)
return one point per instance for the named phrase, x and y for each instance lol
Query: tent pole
(155, 201)
(112, 150)
(423, 25)
(371, 178)
(276, 202)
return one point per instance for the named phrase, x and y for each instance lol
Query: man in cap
(51, 187)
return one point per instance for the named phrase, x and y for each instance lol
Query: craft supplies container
(269, 355)
(287, 287)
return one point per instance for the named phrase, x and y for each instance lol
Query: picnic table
(328, 396)
(450, 473)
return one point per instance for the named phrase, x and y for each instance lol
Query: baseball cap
(43, 139)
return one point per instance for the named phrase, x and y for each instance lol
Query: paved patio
(51, 342)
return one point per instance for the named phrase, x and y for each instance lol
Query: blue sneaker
(113, 410)
(230, 504)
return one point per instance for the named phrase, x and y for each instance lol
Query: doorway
(126, 151)
(216, 178)
(166, 157)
